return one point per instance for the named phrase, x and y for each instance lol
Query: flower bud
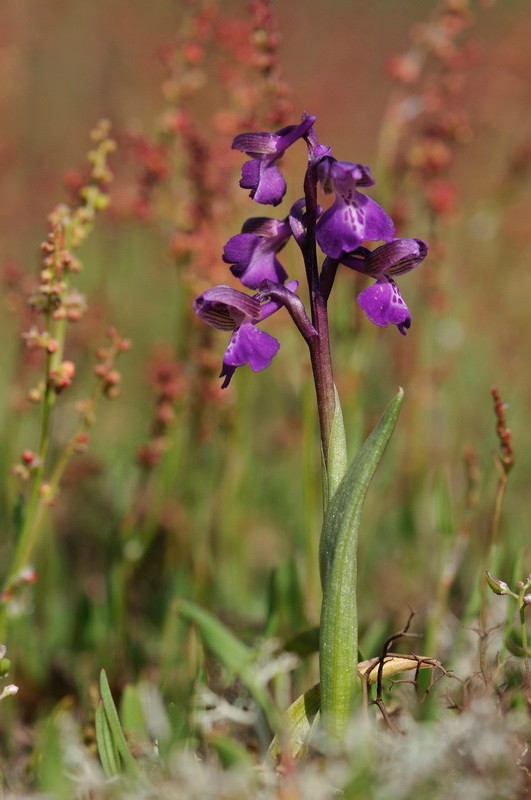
(498, 586)
(8, 690)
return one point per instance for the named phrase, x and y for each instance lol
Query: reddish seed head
(113, 377)
(34, 395)
(442, 197)
(503, 432)
(193, 53)
(28, 457)
(62, 377)
(404, 69)
(68, 368)
(165, 413)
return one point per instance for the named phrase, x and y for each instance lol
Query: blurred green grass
(225, 510)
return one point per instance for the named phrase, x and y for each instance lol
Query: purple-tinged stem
(282, 296)
(319, 345)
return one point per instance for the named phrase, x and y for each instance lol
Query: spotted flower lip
(248, 345)
(252, 252)
(383, 304)
(261, 174)
(354, 217)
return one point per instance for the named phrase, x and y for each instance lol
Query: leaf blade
(338, 564)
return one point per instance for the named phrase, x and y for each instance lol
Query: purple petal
(270, 227)
(296, 220)
(340, 229)
(344, 226)
(383, 304)
(240, 248)
(292, 133)
(259, 143)
(265, 181)
(250, 174)
(271, 186)
(269, 143)
(324, 173)
(263, 265)
(226, 372)
(248, 345)
(225, 308)
(253, 255)
(396, 258)
(319, 152)
(356, 259)
(342, 177)
(378, 224)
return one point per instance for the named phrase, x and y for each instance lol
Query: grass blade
(115, 731)
(107, 750)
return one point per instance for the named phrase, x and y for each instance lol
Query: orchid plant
(339, 233)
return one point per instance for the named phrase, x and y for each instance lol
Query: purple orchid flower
(225, 308)
(261, 174)
(382, 302)
(353, 217)
(252, 252)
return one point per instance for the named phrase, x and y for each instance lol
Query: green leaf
(337, 453)
(338, 563)
(112, 733)
(233, 654)
(301, 716)
(107, 750)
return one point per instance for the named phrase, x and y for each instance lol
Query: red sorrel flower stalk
(57, 304)
(182, 168)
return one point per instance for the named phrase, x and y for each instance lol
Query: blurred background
(188, 491)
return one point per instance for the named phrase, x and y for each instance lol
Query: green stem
(522, 607)
(524, 637)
